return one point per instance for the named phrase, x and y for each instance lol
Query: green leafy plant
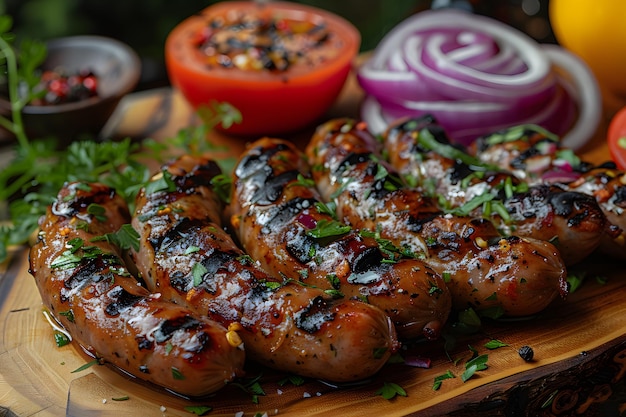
(20, 76)
(39, 168)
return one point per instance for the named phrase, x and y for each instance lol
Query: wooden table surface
(579, 343)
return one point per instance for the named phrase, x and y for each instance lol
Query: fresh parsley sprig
(39, 168)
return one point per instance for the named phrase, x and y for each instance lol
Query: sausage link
(572, 221)
(87, 288)
(516, 276)
(536, 157)
(277, 215)
(187, 256)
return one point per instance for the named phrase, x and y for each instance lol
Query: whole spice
(526, 353)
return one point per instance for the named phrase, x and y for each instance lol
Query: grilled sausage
(279, 219)
(421, 151)
(537, 157)
(531, 154)
(187, 256)
(517, 276)
(87, 288)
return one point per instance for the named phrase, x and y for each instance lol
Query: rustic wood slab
(579, 344)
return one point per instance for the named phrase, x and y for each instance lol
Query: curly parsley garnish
(33, 177)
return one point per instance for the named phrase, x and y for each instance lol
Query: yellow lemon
(594, 30)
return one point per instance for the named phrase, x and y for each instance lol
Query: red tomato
(271, 102)
(616, 138)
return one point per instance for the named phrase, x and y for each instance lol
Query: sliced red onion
(465, 121)
(560, 177)
(580, 82)
(307, 220)
(476, 75)
(417, 362)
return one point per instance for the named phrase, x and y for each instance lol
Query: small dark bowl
(117, 67)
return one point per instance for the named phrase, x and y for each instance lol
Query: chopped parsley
(495, 344)
(295, 380)
(69, 315)
(222, 185)
(328, 228)
(327, 208)
(176, 374)
(440, 378)
(125, 238)
(191, 249)
(61, 339)
(251, 386)
(390, 390)
(97, 211)
(198, 271)
(245, 260)
(334, 293)
(199, 410)
(75, 254)
(479, 363)
(334, 281)
(163, 183)
(272, 285)
(303, 181)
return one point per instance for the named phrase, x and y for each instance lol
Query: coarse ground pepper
(252, 42)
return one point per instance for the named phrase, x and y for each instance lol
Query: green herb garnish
(479, 363)
(123, 398)
(176, 374)
(198, 271)
(328, 228)
(125, 238)
(39, 167)
(495, 344)
(199, 410)
(87, 365)
(439, 379)
(390, 390)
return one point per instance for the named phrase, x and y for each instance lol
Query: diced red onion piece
(417, 362)
(307, 220)
(560, 176)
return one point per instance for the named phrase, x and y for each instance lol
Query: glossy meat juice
(538, 158)
(486, 271)
(186, 255)
(280, 220)
(420, 150)
(86, 286)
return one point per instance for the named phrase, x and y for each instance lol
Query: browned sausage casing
(87, 288)
(276, 213)
(486, 271)
(537, 158)
(572, 221)
(187, 256)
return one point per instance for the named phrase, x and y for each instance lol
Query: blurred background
(144, 24)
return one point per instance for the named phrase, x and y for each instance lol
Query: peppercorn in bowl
(82, 80)
(282, 65)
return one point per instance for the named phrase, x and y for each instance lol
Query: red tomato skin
(270, 103)
(617, 131)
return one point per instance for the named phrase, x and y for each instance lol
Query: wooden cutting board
(579, 344)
